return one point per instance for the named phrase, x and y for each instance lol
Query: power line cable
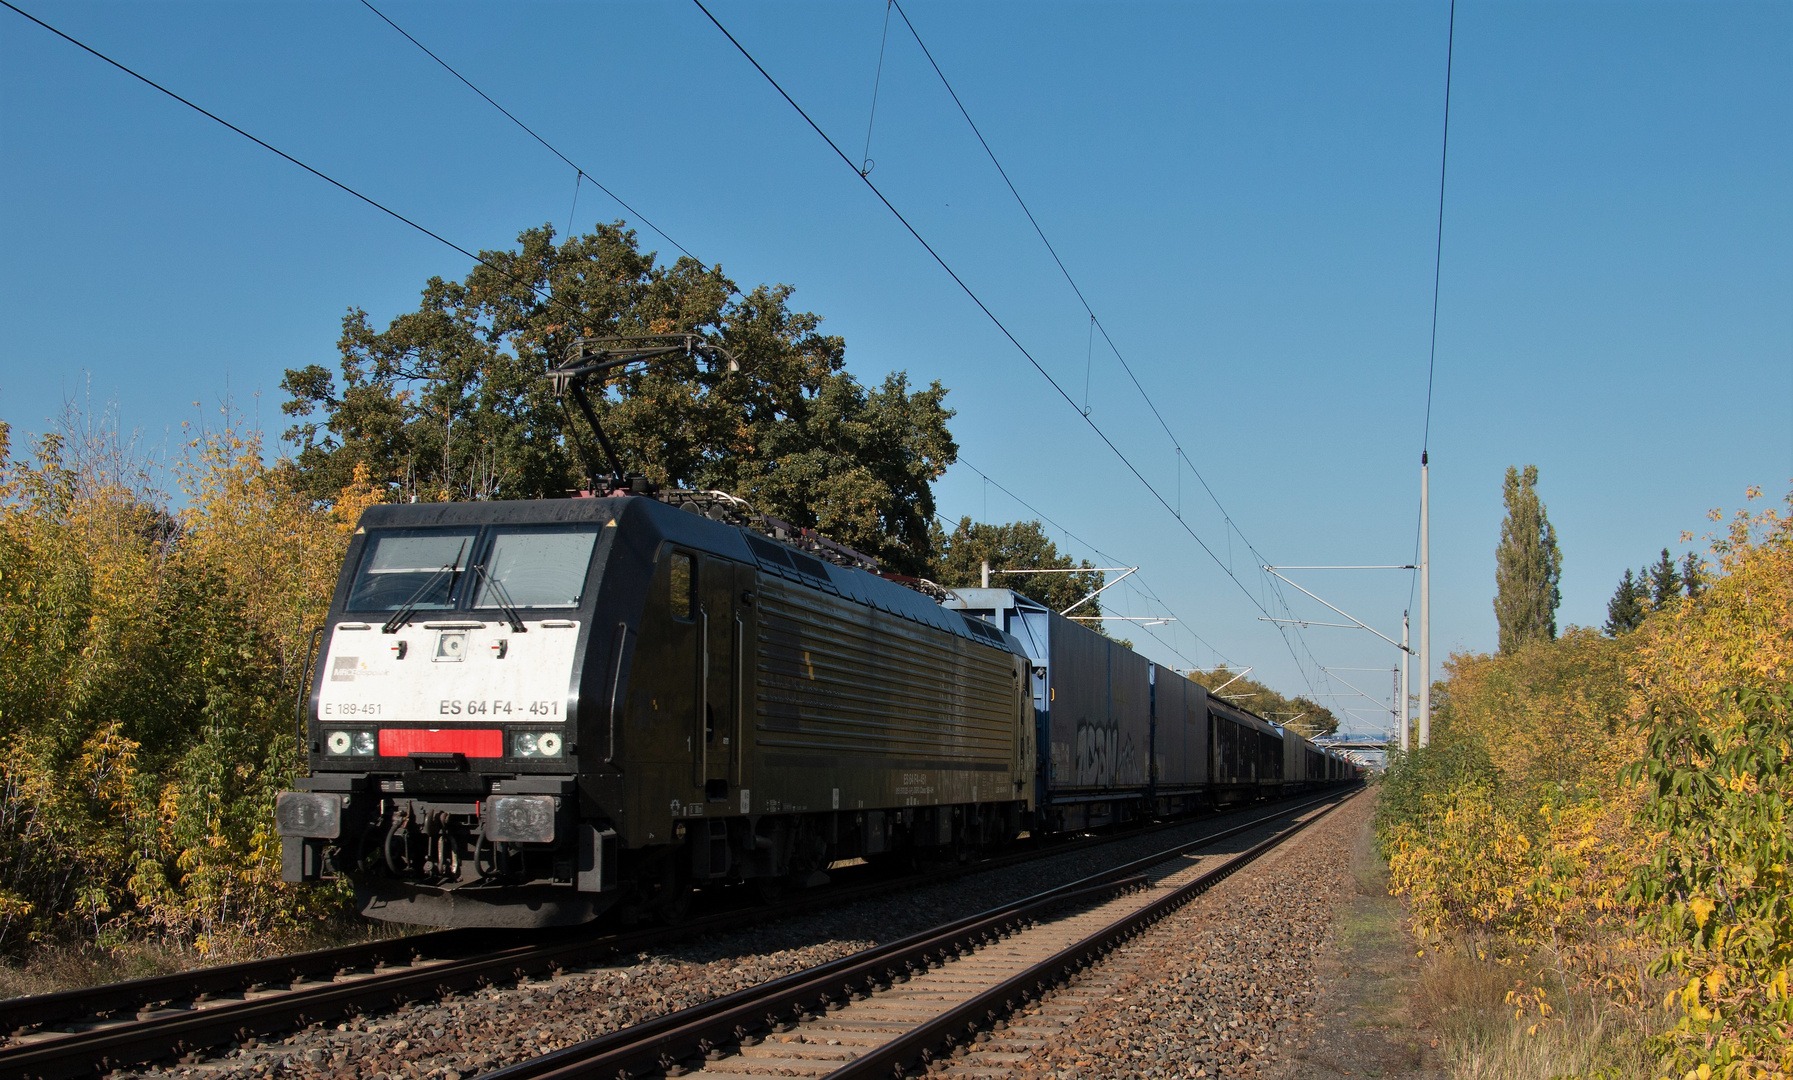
(1147, 594)
(582, 174)
(1095, 321)
(382, 207)
(1444, 152)
(969, 292)
(865, 166)
(997, 322)
(1148, 591)
(1450, 49)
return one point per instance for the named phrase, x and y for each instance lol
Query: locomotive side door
(718, 753)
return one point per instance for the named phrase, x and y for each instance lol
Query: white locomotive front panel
(449, 672)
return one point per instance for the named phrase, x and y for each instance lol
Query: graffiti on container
(1104, 754)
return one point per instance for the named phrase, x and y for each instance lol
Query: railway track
(86, 1032)
(894, 1009)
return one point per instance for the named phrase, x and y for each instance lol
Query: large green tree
(450, 400)
(1017, 545)
(1528, 566)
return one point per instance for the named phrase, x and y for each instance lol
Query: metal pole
(1394, 693)
(1406, 710)
(1425, 606)
(986, 575)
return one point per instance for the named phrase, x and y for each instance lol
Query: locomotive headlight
(337, 742)
(364, 743)
(536, 744)
(452, 646)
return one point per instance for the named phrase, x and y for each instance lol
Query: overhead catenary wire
(994, 319)
(1444, 157)
(877, 81)
(1147, 591)
(547, 297)
(1181, 455)
(580, 172)
(1095, 320)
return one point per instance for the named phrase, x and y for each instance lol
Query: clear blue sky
(1247, 193)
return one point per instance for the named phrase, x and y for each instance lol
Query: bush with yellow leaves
(1596, 802)
(150, 662)
(1715, 688)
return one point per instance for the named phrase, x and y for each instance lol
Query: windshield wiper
(403, 614)
(504, 599)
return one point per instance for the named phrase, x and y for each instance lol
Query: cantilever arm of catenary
(1271, 570)
(1098, 592)
(1360, 692)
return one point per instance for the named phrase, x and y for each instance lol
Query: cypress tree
(1626, 609)
(1665, 581)
(1528, 566)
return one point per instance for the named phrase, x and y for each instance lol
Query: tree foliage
(1715, 691)
(1652, 587)
(1716, 890)
(450, 400)
(1625, 611)
(1664, 579)
(1017, 545)
(1528, 565)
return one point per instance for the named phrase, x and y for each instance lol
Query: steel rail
(40, 1009)
(961, 1024)
(663, 1044)
(88, 1053)
(667, 1043)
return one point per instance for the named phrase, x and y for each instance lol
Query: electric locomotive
(526, 713)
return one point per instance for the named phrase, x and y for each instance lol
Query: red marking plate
(400, 742)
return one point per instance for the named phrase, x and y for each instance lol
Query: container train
(533, 713)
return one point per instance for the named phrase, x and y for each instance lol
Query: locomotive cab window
(535, 568)
(683, 579)
(415, 567)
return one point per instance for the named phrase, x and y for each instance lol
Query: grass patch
(1461, 995)
(54, 967)
(1465, 987)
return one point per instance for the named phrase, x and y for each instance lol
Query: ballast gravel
(470, 1033)
(1221, 988)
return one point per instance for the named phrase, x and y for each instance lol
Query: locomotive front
(443, 724)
